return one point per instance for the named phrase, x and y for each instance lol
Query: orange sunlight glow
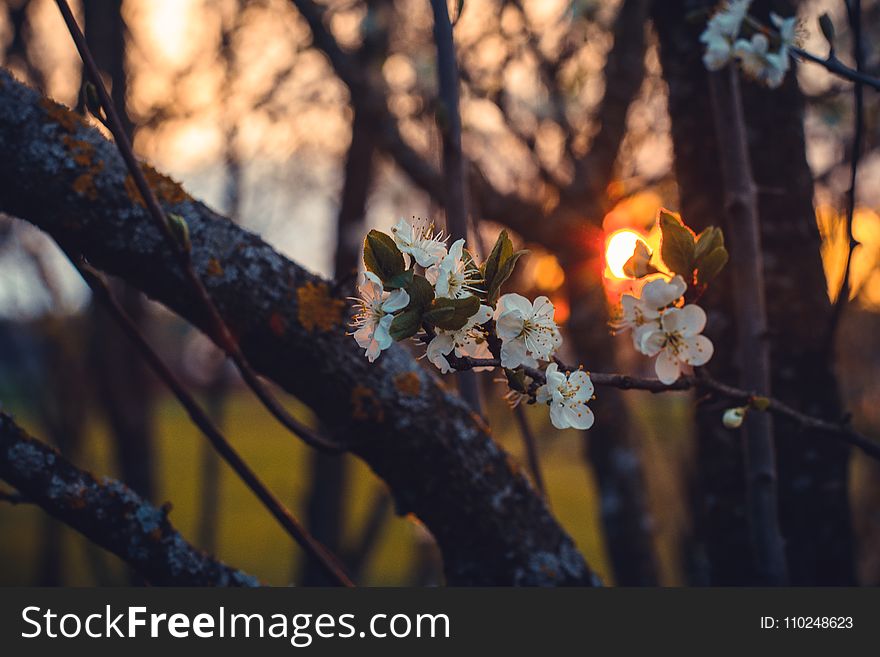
(619, 248)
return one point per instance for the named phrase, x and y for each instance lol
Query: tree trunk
(814, 509)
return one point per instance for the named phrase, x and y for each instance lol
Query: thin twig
(531, 449)
(838, 68)
(701, 381)
(854, 13)
(201, 419)
(219, 330)
(449, 122)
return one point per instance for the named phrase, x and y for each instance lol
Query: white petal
(396, 300)
(542, 394)
(652, 342)
(578, 416)
(558, 416)
(437, 350)
(373, 351)
(696, 351)
(363, 336)
(667, 367)
(513, 353)
(543, 309)
(582, 380)
(516, 303)
(509, 325)
(658, 293)
(691, 320)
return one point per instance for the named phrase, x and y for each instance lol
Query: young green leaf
(502, 250)
(504, 271)
(421, 293)
(402, 279)
(707, 241)
(406, 325)
(711, 265)
(677, 245)
(452, 314)
(382, 257)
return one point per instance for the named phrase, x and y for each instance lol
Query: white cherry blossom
(527, 331)
(642, 314)
(787, 28)
(721, 31)
(677, 342)
(375, 314)
(567, 395)
(451, 277)
(466, 341)
(759, 63)
(420, 242)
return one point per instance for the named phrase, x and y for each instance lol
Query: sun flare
(619, 248)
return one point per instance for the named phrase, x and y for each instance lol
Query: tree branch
(224, 448)
(701, 381)
(438, 460)
(108, 513)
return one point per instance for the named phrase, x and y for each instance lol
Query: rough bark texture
(812, 473)
(108, 513)
(437, 458)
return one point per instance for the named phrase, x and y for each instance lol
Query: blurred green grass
(247, 536)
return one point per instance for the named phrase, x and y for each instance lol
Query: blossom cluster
(725, 41)
(665, 328)
(417, 287)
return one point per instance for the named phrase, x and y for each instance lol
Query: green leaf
(400, 280)
(502, 250)
(677, 245)
(421, 293)
(504, 272)
(406, 325)
(707, 241)
(452, 314)
(711, 265)
(382, 257)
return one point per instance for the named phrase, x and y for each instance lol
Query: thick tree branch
(108, 513)
(437, 458)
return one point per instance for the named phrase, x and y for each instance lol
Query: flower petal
(514, 303)
(581, 380)
(652, 342)
(396, 300)
(513, 353)
(696, 351)
(578, 416)
(691, 320)
(667, 366)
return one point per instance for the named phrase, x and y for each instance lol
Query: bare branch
(108, 513)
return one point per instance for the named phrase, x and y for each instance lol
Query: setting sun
(619, 249)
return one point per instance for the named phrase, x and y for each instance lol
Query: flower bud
(733, 417)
